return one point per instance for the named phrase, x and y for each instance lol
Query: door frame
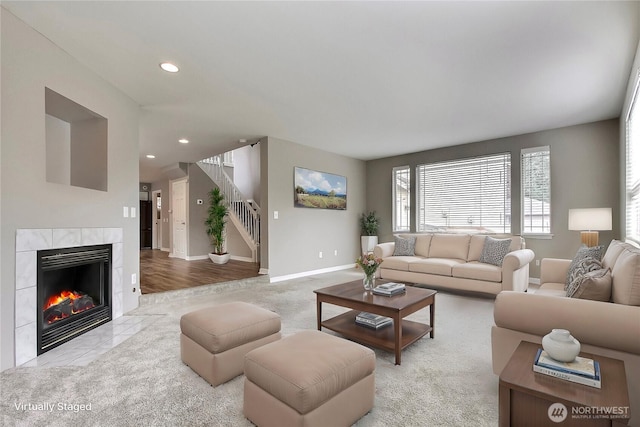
(186, 214)
(156, 228)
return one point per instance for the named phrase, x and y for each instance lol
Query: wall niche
(76, 143)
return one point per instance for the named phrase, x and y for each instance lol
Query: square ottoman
(309, 379)
(214, 340)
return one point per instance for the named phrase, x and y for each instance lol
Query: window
(632, 183)
(466, 194)
(401, 198)
(536, 191)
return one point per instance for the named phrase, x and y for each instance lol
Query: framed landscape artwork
(313, 189)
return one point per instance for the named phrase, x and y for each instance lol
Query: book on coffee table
(371, 320)
(582, 370)
(389, 289)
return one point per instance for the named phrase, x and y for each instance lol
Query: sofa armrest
(554, 270)
(383, 250)
(602, 324)
(515, 260)
(515, 270)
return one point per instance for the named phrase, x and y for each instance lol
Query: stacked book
(389, 289)
(582, 370)
(373, 321)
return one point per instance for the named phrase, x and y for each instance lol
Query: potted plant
(369, 224)
(215, 222)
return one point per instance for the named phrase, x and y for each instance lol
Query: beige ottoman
(309, 379)
(214, 340)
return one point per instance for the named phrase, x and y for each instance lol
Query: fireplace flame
(57, 299)
(70, 302)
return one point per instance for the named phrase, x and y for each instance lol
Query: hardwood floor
(159, 273)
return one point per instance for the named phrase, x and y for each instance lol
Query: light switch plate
(125, 212)
(133, 212)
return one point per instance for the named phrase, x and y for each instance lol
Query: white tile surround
(28, 242)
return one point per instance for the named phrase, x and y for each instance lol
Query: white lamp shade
(590, 219)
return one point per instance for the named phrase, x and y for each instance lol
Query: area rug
(445, 381)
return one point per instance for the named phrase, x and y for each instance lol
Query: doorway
(156, 223)
(145, 224)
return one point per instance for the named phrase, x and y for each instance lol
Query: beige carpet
(446, 381)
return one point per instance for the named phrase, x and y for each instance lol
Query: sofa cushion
(476, 244)
(404, 246)
(595, 285)
(583, 252)
(613, 252)
(552, 289)
(581, 268)
(477, 270)
(494, 250)
(397, 262)
(423, 241)
(439, 266)
(626, 277)
(452, 246)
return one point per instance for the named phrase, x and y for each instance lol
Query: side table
(529, 398)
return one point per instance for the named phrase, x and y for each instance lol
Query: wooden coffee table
(526, 396)
(394, 339)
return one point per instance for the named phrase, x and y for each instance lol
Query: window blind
(536, 190)
(472, 193)
(632, 183)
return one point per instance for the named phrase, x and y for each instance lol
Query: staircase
(244, 214)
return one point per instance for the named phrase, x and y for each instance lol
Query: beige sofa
(610, 329)
(451, 261)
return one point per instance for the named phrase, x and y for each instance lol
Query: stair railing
(246, 212)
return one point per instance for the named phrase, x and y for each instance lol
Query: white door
(179, 218)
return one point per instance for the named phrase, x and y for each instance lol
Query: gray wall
(295, 239)
(584, 173)
(199, 186)
(29, 63)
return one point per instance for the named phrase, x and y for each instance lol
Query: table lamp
(588, 222)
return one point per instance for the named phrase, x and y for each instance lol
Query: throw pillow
(581, 268)
(405, 246)
(595, 285)
(583, 252)
(494, 250)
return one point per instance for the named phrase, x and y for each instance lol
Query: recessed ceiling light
(183, 141)
(169, 67)
(150, 156)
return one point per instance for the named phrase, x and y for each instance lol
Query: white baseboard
(534, 281)
(165, 249)
(237, 258)
(263, 271)
(197, 257)
(241, 258)
(310, 273)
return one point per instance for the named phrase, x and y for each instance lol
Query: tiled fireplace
(28, 314)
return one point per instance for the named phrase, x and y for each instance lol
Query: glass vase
(369, 282)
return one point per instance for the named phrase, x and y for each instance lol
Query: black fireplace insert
(74, 293)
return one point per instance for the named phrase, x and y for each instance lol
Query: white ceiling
(362, 79)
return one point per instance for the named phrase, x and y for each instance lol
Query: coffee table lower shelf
(345, 324)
